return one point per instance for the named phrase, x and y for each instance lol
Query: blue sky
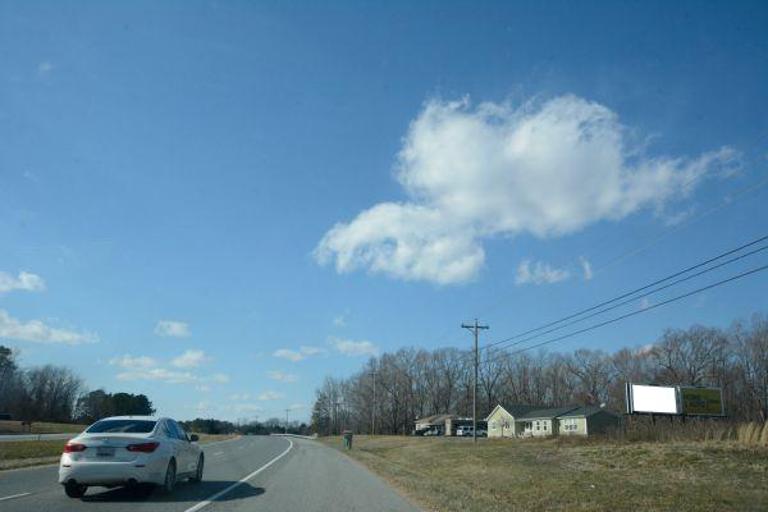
(191, 192)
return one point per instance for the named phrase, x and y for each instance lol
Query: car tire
(170, 478)
(198, 476)
(74, 490)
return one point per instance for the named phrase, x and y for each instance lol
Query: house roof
(547, 413)
(583, 412)
(514, 410)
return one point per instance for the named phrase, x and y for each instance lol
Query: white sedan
(130, 450)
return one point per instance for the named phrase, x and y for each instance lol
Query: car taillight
(143, 447)
(74, 447)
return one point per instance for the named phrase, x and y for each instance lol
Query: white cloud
(545, 169)
(38, 332)
(586, 268)
(539, 273)
(282, 377)
(190, 359)
(25, 281)
(297, 407)
(269, 395)
(297, 355)
(240, 397)
(645, 303)
(130, 362)
(340, 321)
(171, 376)
(172, 328)
(354, 348)
(159, 374)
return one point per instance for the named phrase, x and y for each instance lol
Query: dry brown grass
(569, 474)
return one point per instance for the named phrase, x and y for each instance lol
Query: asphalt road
(252, 473)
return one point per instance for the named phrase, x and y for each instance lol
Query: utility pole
(373, 405)
(476, 331)
(286, 420)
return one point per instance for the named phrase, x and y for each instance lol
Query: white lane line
(218, 453)
(15, 496)
(219, 494)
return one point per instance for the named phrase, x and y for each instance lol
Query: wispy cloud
(539, 273)
(354, 348)
(38, 332)
(282, 377)
(25, 281)
(298, 355)
(586, 268)
(473, 172)
(44, 68)
(131, 362)
(190, 359)
(340, 321)
(172, 329)
(269, 396)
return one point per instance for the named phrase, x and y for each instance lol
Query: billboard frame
(680, 404)
(630, 401)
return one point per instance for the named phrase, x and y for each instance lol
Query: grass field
(16, 454)
(15, 427)
(568, 474)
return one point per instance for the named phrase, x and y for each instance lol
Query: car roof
(143, 418)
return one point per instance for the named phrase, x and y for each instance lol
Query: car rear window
(125, 426)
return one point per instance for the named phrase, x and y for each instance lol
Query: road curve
(252, 473)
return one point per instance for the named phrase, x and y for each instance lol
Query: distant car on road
(130, 450)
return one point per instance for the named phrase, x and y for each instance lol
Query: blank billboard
(652, 399)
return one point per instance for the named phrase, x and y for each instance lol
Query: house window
(545, 425)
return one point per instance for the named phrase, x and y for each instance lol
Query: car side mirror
(193, 438)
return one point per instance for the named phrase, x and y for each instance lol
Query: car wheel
(75, 490)
(170, 477)
(199, 471)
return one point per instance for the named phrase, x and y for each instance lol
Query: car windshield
(124, 426)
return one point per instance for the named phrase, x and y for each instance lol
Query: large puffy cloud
(546, 169)
(39, 332)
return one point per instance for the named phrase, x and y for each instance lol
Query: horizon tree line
(413, 383)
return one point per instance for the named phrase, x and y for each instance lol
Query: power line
(629, 300)
(643, 310)
(630, 293)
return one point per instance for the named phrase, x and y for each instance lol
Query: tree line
(57, 394)
(412, 383)
(255, 427)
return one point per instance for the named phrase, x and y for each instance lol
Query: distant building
(502, 420)
(436, 421)
(542, 422)
(588, 420)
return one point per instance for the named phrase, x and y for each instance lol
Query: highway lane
(300, 475)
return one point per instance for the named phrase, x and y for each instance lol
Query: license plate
(105, 451)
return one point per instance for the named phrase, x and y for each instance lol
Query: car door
(187, 453)
(172, 438)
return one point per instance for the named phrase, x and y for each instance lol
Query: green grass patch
(582, 475)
